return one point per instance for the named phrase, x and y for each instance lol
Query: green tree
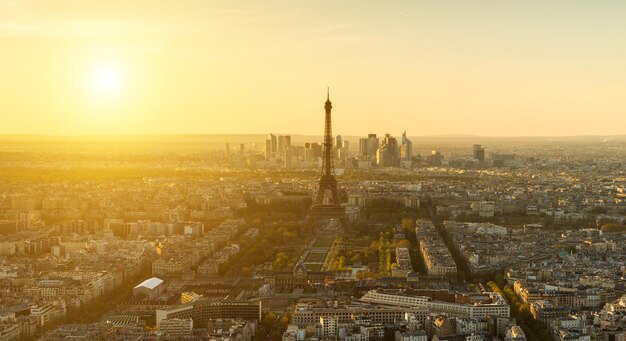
(268, 320)
(408, 223)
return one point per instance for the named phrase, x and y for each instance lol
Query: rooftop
(150, 283)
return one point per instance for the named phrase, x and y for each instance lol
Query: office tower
(340, 152)
(317, 149)
(368, 145)
(227, 150)
(284, 141)
(435, 158)
(297, 152)
(479, 152)
(288, 158)
(345, 149)
(274, 143)
(373, 143)
(308, 154)
(500, 159)
(406, 151)
(363, 146)
(268, 149)
(270, 146)
(312, 151)
(388, 153)
(241, 149)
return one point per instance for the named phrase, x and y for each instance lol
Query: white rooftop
(150, 283)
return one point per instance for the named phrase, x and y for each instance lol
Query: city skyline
(554, 69)
(302, 171)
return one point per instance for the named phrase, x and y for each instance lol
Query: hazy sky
(429, 67)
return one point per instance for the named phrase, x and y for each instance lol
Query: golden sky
(499, 67)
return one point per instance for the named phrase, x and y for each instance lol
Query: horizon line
(33, 135)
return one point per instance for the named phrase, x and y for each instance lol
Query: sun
(106, 79)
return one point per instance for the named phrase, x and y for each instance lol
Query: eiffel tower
(328, 183)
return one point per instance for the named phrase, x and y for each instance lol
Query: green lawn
(313, 267)
(315, 257)
(324, 242)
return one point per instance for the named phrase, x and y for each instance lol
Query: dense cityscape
(524, 242)
(280, 170)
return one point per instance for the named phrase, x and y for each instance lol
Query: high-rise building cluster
(279, 148)
(385, 153)
(372, 152)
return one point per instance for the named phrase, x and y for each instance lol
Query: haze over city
(312, 170)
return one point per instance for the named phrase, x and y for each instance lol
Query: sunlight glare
(106, 79)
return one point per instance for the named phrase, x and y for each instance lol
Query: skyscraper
(288, 158)
(345, 150)
(368, 145)
(388, 153)
(268, 149)
(341, 148)
(435, 158)
(406, 151)
(312, 151)
(274, 144)
(284, 141)
(270, 146)
(479, 152)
